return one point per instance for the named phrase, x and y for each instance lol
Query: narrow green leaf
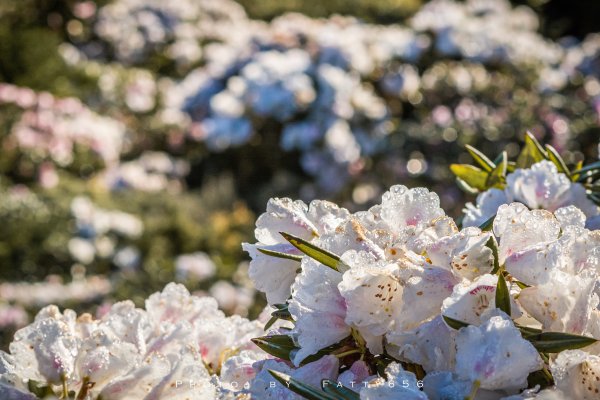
(279, 346)
(575, 175)
(488, 224)
(282, 312)
(511, 166)
(532, 152)
(557, 160)
(307, 391)
(481, 159)
(473, 176)
(279, 254)
(454, 323)
(493, 245)
(589, 167)
(502, 295)
(283, 346)
(270, 322)
(589, 175)
(595, 197)
(555, 342)
(338, 390)
(323, 256)
(527, 331)
(497, 178)
(520, 284)
(465, 187)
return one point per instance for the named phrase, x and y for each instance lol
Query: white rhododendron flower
(563, 304)
(274, 277)
(538, 187)
(517, 228)
(263, 386)
(470, 300)
(318, 309)
(400, 384)
(464, 253)
(444, 385)
(577, 374)
(495, 355)
(431, 345)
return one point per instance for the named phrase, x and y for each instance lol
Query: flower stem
(85, 387)
(65, 389)
(474, 390)
(347, 353)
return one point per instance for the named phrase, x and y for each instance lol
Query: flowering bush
(393, 302)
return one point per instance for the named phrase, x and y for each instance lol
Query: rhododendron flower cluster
(540, 186)
(477, 312)
(130, 353)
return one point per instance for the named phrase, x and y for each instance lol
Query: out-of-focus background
(139, 139)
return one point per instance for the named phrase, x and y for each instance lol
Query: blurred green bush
(381, 11)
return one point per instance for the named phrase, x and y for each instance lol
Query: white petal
(369, 288)
(562, 304)
(577, 374)
(400, 384)
(464, 253)
(496, 355)
(487, 206)
(175, 304)
(431, 345)
(402, 207)
(318, 309)
(517, 228)
(271, 275)
(469, 300)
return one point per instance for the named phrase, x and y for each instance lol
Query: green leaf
(527, 331)
(557, 160)
(338, 390)
(520, 284)
(497, 178)
(454, 323)
(488, 224)
(575, 175)
(481, 159)
(511, 166)
(590, 175)
(279, 346)
(465, 187)
(304, 390)
(502, 295)
(270, 322)
(279, 254)
(41, 390)
(493, 245)
(473, 176)
(323, 256)
(555, 342)
(590, 167)
(531, 153)
(283, 346)
(282, 312)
